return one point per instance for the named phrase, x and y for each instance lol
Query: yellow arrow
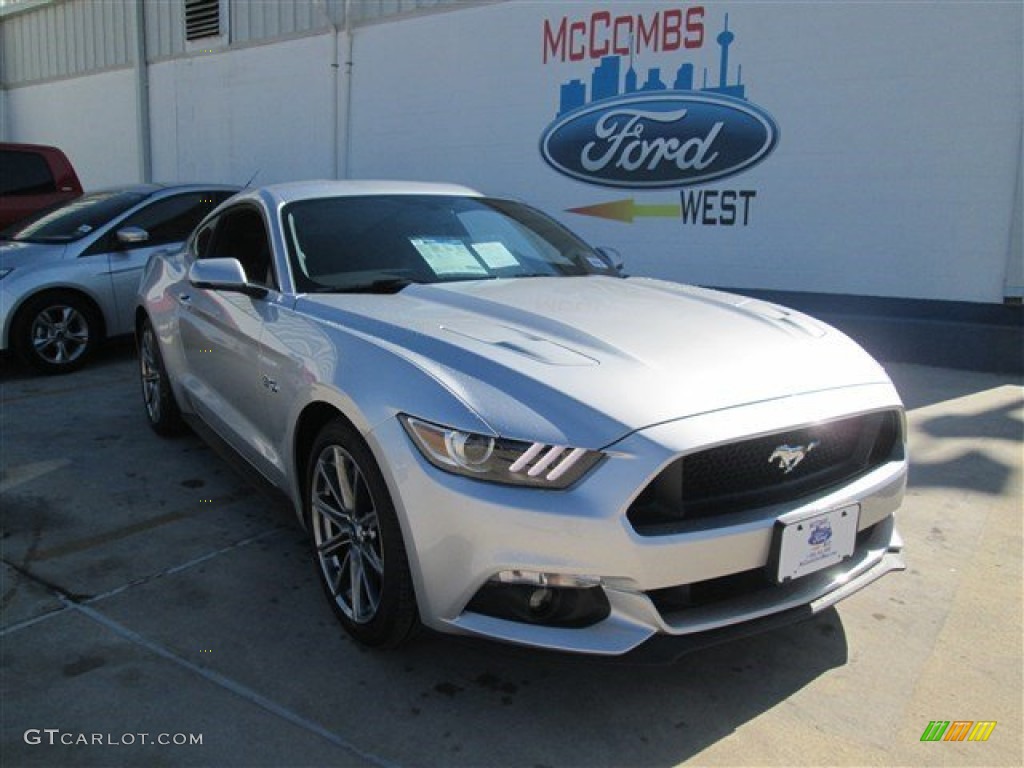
(628, 209)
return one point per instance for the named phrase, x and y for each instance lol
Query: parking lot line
(228, 684)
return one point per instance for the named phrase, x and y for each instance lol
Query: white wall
(224, 116)
(894, 174)
(1015, 251)
(91, 118)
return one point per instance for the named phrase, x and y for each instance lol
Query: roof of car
(307, 190)
(149, 189)
(15, 146)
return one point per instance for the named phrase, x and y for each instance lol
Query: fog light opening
(532, 598)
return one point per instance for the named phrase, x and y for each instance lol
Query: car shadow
(112, 352)
(640, 714)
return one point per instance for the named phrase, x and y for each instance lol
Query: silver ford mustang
(488, 430)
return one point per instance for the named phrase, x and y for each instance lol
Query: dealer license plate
(805, 546)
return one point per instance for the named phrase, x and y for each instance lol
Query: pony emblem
(789, 456)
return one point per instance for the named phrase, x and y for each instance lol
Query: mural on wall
(646, 127)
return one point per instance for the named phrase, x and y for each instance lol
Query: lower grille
(770, 469)
(675, 600)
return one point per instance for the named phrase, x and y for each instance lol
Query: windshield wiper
(385, 285)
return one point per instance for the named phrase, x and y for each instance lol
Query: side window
(241, 234)
(203, 239)
(172, 219)
(25, 173)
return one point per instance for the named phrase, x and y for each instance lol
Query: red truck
(33, 177)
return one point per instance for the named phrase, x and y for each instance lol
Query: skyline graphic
(607, 80)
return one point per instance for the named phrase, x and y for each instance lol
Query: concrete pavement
(149, 590)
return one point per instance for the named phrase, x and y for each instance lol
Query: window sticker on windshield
(447, 256)
(495, 255)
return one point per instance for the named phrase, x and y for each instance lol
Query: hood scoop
(518, 342)
(795, 324)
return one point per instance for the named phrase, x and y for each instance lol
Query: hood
(586, 360)
(14, 254)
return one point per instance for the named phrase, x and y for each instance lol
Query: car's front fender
(163, 275)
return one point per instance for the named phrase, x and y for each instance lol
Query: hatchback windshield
(73, 220)
(361, 243)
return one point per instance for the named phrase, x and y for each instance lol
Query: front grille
(752, 473)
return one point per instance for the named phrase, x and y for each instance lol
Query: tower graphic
(725, 38)
(630, 73)
(607, 80)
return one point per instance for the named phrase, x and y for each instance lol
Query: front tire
(57, 332)
(162, 411)
(357, 541)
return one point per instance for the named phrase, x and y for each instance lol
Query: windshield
(388, 241)
(73, 220)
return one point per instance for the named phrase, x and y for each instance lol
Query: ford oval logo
(820, 533)
(657, 141)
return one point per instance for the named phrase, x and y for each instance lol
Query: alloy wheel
(346, 534)
(150, 370)
(60, 334)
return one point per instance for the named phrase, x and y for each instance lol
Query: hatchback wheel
(357, 541)
(56, 332)
(161, 408)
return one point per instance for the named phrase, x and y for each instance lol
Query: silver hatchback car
(68, 276)
(488, 430)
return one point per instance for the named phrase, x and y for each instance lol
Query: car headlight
(498, 460)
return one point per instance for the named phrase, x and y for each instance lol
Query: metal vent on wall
(202, 19)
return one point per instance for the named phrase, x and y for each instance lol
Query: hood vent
(518, 342)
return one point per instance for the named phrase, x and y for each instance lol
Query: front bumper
(460, 533)
(634, 617)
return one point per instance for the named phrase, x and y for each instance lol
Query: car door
(220, 333)
(163, 223)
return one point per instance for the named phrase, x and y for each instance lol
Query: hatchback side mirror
(132, 236)
(223, 275)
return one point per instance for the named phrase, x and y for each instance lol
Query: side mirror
(223, 275)
(612, 258)
(132, 236)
